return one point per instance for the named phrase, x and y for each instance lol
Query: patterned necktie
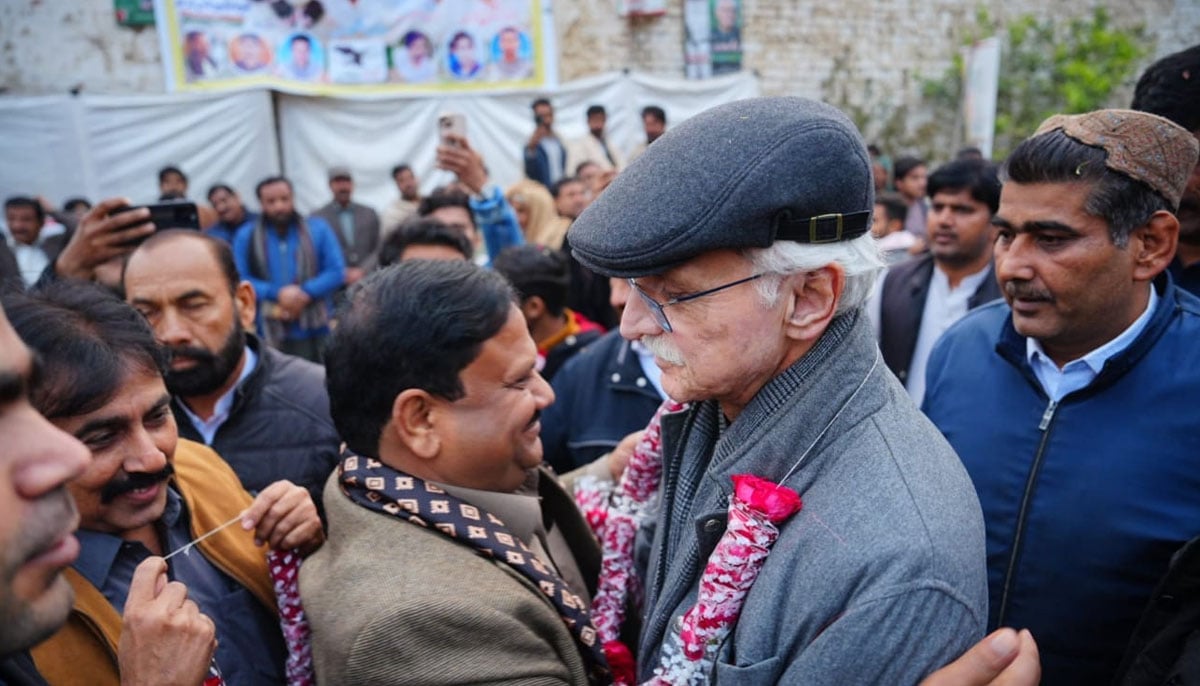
(375, 486)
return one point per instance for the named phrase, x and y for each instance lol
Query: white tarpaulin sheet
(373, 135)
(100, 146)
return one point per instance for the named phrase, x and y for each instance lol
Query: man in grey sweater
(744, 235)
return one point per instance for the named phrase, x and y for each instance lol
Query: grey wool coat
(879, 579)
(391, 602)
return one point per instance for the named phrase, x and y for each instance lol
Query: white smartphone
(451, 123)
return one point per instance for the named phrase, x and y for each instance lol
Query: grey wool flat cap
(741, 175)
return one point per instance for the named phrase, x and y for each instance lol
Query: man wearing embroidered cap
(1072, 404)
(744, 234)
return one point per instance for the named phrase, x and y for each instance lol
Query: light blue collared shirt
(208, 429)
(1079, 373)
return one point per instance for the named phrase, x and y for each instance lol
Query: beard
(211, 370)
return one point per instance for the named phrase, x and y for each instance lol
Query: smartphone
(170, 215)
(451, 123)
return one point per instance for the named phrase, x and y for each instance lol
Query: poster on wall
(712, 43)
(342, 46)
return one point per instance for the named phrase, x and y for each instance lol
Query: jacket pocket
(764, 672)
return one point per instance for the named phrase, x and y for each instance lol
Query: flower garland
(755, 510)
(284, 567)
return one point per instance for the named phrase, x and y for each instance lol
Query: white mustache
(663, 349)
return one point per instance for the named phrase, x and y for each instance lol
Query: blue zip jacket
(1084, 500)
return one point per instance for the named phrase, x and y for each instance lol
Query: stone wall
(870, 54)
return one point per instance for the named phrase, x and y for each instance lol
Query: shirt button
(570, 340)
(641, 383)
(712, 525)
(616, 378)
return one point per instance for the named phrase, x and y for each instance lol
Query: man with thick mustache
(1072, 404)
(749, 290)
(265, 412)
(146, 494)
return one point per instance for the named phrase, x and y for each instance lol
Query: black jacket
(905, 289)
(601, 396)
(279, 426)
(18, 670)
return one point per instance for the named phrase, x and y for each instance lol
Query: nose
(143, 453)
(637, 320)
(171, 329)
(58, 458)
(1014, 259)
(543, 393)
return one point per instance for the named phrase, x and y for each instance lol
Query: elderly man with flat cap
(744, 234)
(1073, 404)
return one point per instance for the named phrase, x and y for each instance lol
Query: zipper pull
(1048, 415)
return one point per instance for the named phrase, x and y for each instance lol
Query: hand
(100, 238)
(1004, 658)
(618, 459)
(293, 300)
(353, 275)
(456, 155)
(284, 517)
(538, 134)
(165, 639)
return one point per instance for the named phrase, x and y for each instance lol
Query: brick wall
(870, 54)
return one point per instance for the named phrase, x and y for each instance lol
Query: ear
(244, 301)
(1153, 245)
(533, 308)
(813, 301)
(412, 423)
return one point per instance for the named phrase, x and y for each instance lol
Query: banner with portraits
(333, 47)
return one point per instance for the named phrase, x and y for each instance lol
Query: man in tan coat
(452, 556)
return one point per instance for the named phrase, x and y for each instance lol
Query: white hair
(859, 258)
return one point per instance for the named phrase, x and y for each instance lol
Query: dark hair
(71, 203)
(596, 109)
(416, 324)
(1118, 199)
(412, 37)
(400, 168)
(268, 181)
(969, 153)
(25, 201)
(981, 178)
(301, 37)
(461, 34)
(422, 231)
(87, 340)
(314, 10)
(1170, 88)
(540, 101)
(219, 187)
(536, 271)
(873, 150)
(557, 186)
(656, 112)
(893, 204)
(445, 196)
(903, 165)
(219, 249)
(584, 165)
(168, 170)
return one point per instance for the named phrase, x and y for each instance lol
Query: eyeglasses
(656, 308)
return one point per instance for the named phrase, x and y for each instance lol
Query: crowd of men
(976, 376)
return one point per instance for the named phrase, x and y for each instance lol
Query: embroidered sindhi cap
(741, 175)
(1144, 147)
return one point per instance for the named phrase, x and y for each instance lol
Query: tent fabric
(100, 146)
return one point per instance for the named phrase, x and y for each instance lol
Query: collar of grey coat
(699, 464)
